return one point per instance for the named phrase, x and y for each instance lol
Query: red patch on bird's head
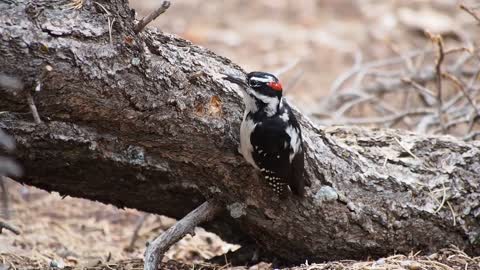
(277, 86)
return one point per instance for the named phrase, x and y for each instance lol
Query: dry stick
(33, 108)
(454, 215)
(444, 198)
(109, 22)
(382, 119)
(76, 4)
(415, 80)
(397, 84)
(390, 85)
(135, 234)
(407, 61)
(155, 250)
(358, 67)
(472, 136)
(348, 105)
(343, 78)
(416, 86)
(437, 39)
(459, 84)
(152, 16)
(471, 12)
(5, 225)
(405, 148)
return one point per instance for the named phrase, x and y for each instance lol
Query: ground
(313, 43)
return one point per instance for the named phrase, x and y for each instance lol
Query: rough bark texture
(144, 121)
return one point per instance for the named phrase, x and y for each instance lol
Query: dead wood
(155, 250)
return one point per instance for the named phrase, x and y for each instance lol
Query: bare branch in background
(6, 226)
(136, 231)
(437, 92)
(437, 39)
(471, 12)
(152, 16)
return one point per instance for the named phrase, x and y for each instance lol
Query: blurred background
(363, 62)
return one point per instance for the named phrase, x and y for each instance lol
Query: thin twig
(109, 22)
(343, 78)
(358, 67)
(454, 216)
(135, 234)
(435, 263)
(444, 198)
(405, 148)
(420, 88)
(6, 226)
(76, 4)
(471, 136)
(33, 108)
(437, 39)
(471, 12)
(383, 119)
(476, 111)
(460, 86)
(152, 16)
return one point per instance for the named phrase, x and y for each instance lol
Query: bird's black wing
(271, 151)
(296, 178)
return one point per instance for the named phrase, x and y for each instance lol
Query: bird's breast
(246, 149)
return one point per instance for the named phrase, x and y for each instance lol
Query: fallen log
(142, 120)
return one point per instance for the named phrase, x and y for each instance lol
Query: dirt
(80, 232)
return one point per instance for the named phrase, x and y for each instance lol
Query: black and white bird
(270, 136)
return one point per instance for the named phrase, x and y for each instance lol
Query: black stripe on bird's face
(265, 84)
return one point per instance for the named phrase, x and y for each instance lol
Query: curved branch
(156, 249)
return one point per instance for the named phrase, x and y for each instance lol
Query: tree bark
(144, 121)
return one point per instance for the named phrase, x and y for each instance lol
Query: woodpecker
(270, 136)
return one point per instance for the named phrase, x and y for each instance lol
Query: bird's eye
(254, 83)
(275, 86)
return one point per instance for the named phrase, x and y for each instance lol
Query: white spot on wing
(294, 141)
(284, 116)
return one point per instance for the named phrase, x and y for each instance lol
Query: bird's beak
(236, 80)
